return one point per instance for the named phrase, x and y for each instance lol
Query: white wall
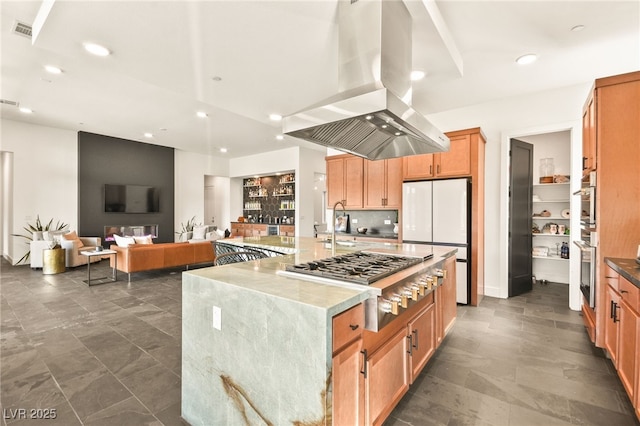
(500, 120)
(190, 172)
(45, 183)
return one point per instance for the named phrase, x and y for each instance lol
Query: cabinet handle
(438, 169)
(615, 312)
(584, 163)
(415, 333)
(611, 309)
(430, 169)
(354, 327)
(623, 291)
(364, 363)
(410, 350)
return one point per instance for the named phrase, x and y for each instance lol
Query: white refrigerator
(438, 213)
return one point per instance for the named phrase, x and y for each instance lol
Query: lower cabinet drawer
(347, 326)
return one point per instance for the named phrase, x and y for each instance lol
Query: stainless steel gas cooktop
(360, 267)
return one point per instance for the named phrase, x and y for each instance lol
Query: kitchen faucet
(333, 233)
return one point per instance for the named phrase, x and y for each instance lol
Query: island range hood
(371, 115)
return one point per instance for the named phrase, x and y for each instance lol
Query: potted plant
(187, 229)
(35, 230)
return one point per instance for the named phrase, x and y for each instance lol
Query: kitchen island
(258, 347)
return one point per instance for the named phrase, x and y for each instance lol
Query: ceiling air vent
(22, 29)
(8, 102)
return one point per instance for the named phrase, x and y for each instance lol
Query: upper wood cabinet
(588, 137)
(383, 183)
(345, 174)
(455, 162)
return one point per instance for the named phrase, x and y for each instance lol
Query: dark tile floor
(522, 361)
(110, 355)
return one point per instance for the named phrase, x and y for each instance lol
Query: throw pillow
(199, 232)
(124, 241)
(73, 236)
(143, 240)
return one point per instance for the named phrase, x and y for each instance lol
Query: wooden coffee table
(101, 280)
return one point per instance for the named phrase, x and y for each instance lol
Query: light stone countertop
(262, 275)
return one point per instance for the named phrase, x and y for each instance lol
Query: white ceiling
(280, 57)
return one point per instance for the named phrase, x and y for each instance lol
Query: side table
(101, 280)
(53, 261)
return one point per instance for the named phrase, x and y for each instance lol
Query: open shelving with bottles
(269, 195)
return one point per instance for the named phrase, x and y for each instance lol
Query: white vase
(395, 228)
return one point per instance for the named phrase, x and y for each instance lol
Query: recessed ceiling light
(26, 110)
(527, 59)
(279, 137)
(148, 135)
(275, 117)
(96, 49)
(201, 114)
(53, 70)
(223, 149)
(369, 117)
(417, 75)
(577, 28)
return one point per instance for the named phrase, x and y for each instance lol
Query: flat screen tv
(131, 199)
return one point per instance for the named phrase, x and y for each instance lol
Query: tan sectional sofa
(147, 257)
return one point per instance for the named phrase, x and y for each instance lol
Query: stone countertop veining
(628, 268)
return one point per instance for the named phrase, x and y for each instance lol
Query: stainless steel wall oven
(587, 272)
(588, 238)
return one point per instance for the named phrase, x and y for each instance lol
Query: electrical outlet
(387, 222)
(217, 318)
(354, 220)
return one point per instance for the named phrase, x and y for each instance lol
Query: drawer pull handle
(364, 363)
(623, 291)
(354, 327)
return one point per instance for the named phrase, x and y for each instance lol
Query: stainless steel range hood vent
(371, 115)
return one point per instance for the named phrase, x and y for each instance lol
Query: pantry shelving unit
(554, 199)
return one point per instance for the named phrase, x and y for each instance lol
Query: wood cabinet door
(375, 183)
(348, 385)
(456, 161)
(627, 349)
(237, 230)
(422, 343)
(637, 399)
(387, 378)
(335, 181)
(394, 184)
(416, 167)
(353, 181)
(612, 306)
(449, 303)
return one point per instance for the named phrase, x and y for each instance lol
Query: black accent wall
(104, 159)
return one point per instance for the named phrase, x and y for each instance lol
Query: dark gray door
(520, 211)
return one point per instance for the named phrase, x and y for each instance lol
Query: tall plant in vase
(34, 232)
(186, 229)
